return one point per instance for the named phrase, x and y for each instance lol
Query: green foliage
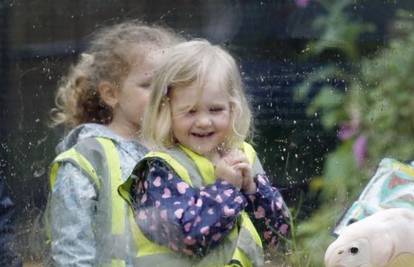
(312, 239)
(377, 100)
(384, 96)
(341, 182)
(329, 103)
(339, 31)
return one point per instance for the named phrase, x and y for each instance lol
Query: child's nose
(203, 121)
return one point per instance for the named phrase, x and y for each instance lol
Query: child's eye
(216, 109)
(192, 111)
(144, 85)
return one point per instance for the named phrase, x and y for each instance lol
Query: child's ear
(108, 93)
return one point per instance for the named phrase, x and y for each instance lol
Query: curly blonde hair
(107, 59)
(184, 64)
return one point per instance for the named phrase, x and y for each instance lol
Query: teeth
(202, 135)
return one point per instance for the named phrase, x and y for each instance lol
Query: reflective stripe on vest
(242, 247)
(76, 159)
(98, 158)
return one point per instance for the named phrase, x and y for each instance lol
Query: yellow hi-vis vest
(99, 159)
(241, 248)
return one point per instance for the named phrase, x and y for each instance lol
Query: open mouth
(201, 135)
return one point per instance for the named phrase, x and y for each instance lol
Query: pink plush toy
(384, 239)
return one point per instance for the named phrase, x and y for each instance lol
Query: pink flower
(302, 3)
(347, 130)
(360, 150)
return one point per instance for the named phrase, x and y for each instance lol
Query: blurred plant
(302, 3)
(339, 31)
(291, 255)
(369, 102)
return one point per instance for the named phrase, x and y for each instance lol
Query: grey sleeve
(72, 216)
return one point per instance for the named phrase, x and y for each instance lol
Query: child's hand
(234, 167)
(238, 160)
(249, 186)
(227, 172)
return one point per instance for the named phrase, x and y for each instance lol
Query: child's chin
(203, 150)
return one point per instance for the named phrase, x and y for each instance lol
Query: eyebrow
(214, 104)
(148, 79)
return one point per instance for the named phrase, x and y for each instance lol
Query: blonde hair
(107, 59)
(184, 64)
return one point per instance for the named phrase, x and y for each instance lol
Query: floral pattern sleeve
(268, 211)
(186, 219)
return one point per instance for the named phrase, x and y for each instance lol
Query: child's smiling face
(201, 117)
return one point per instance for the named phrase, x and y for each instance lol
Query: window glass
(328, 83)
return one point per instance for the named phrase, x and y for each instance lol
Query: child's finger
(242, 166)
(236, 156)
(245, 169)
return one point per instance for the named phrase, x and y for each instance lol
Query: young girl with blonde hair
(102, 99)
(201, 195)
